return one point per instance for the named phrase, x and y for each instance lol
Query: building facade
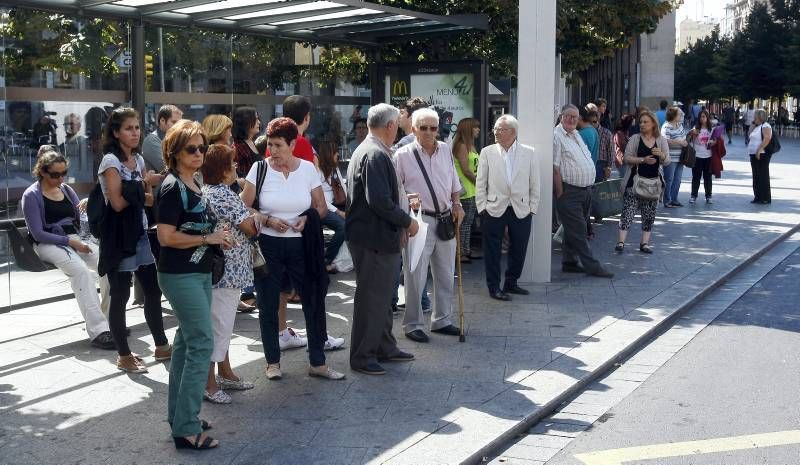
(690, 31)
(736, 14)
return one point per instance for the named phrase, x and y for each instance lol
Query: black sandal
(183, 443)
(645, 248)
(620, 247)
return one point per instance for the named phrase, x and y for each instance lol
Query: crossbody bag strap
(261, 176)
(428, 182)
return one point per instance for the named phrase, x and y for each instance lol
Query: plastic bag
(417, 243)
(343, 261)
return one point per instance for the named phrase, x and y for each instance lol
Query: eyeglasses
(502, 129)
(193, 149)
(54, 175)
(428, 128)
(569, 117)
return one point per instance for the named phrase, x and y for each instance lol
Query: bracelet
(203, 237)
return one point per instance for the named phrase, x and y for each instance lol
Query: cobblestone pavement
(62, 401)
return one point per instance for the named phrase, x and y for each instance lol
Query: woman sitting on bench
(50, 208)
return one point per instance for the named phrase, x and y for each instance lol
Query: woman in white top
(330, 177)
(290, 187)
(702, 142)
(760, 137)
(675, 134)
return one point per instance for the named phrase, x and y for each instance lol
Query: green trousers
(189, 294)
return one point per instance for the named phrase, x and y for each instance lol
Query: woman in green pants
(186, 233)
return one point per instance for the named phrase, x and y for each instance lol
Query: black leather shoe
(515, 289)
(572, 268)
(499, 295)
(450, 330)
(104, 341)
(601, 273)
(396, 309)
(370, 369)
(398, 356)
(417, 335)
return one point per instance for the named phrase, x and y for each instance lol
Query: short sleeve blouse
(285, 197)
(231, 212)
(111, 161)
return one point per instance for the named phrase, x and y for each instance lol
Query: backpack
(96, 210)
(774, 145)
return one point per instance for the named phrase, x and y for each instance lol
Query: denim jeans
(672, 181)
(336, 223)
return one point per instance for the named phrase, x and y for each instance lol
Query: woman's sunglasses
(193, 149)
(55, 175)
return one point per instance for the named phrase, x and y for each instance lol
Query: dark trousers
(573, 210)
(519, 232)
(371, 336)
(119, 285)
(286, 255)
(761, 188)
(702, 167)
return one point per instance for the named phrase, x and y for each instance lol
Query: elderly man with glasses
(425, 167)
(573, 176)
(507, 196)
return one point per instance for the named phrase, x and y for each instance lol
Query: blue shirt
(592, 140)
(662, 117)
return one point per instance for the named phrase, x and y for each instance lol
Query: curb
(549, 408)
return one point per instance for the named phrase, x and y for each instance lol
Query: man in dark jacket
(375, 229)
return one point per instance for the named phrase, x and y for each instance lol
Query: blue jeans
(672, 182)
(336, 223)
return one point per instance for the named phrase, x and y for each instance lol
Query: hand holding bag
(647, 188)
(445, 226)
(688, 156)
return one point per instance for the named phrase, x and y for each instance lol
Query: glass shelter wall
(61, 76)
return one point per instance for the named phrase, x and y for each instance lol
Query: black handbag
(688, 156)
(217, 263)
(445, 226)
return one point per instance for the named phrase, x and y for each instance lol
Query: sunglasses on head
(428, 128)
(56, 175)
(193, 149)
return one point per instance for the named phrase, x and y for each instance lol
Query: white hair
(380, 115)
(424, 113)
(569, 106)
(509, 120)
(591, 107)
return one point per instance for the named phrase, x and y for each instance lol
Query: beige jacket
(630, 157)
(492, 190)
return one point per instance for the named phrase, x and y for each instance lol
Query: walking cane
(461, 337)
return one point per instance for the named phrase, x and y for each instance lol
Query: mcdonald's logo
(400, 88)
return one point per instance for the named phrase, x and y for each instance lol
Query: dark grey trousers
(573, 211)
(372, 336)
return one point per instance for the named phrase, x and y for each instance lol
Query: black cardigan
(315, 287)
(121, 230)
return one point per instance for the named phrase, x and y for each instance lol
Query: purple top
(33, 211)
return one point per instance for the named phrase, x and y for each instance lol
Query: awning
(354, 22)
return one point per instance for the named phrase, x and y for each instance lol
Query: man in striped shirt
(573, 176)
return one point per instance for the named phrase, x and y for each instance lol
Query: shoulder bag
(445, 226)
(774, 145)
(339, 195)
(646, 188)
(688, 156)
(256, 256)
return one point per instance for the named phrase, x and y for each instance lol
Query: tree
(762, 75)
(693, 76)
(786, 14)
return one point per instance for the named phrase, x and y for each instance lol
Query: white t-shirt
(755, 138)
(327, 189)
(285, 198)
(111, 161)
(700, 144)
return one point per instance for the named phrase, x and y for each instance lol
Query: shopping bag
(417, 243)
(607, 198)
(343, 261)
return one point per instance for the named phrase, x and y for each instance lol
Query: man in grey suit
(375, 229)
(506, 195)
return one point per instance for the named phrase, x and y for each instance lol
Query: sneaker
(238, 385)
(692, 200)
(104, 341)
(288, 339)
(130, 364)
(325, 372)
(709, 201)
(219, 397)
(163, 353)
(273, 371)
(333, 343)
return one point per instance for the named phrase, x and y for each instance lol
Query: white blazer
(492, 190)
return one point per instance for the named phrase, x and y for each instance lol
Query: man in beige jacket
(506, 195)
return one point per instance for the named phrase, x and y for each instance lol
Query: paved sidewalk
(61, 401)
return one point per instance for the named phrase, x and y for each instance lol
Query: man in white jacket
(507, 196)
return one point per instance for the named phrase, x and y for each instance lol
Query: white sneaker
(709, 201)
(333, 343)
(288, 339)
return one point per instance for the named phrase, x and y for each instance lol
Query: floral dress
(230, 212)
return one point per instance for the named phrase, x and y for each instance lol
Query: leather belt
(434, 215)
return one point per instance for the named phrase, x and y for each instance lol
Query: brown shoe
(130, 364)
(163, 353)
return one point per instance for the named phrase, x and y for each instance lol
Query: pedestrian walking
(645, 155)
